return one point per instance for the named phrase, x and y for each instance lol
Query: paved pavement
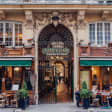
(68, 107)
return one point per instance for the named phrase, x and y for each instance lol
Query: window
(11, 33)
(99, 33)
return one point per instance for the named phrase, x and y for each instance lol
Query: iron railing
(89, 2)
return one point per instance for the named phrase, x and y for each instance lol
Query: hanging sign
(55, 51)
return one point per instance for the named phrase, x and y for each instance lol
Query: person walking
(77, 96)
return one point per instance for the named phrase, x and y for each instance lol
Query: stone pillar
(37, 33)
(28, 28)
(75, 66)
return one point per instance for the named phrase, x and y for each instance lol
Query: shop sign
(55, 51)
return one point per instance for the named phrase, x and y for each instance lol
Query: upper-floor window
(11, 33)
(100, 33)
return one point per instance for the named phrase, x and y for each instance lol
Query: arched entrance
(55, 64)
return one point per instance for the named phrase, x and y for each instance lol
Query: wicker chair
(2, 101)
(14, 101)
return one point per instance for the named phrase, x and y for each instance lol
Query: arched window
(11, 33)
(100, 33)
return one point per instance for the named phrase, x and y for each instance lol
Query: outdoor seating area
(101, 98)
(93, 98)
(8, 100)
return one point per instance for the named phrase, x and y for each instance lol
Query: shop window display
(105, 78)
(101, 77)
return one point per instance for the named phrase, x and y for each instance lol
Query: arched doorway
(55, 64)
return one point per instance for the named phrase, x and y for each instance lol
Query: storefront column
(76, 61)
(79, 75)
(37, 33)
(3, 84)
(36, 68)
(3, 80)
(100, 77)
(90, 78)
(110, 76)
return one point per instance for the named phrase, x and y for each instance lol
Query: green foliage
(22, 93)
(24, 86)
(84, 85)
(85, 92)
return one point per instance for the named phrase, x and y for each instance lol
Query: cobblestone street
(68, 107)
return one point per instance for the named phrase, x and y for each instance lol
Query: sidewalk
(68, 107)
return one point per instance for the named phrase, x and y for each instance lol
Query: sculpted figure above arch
(74, 19)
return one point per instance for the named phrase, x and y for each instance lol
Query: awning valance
(95, 62)
(15, 62)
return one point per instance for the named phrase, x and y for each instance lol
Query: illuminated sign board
(55, 51)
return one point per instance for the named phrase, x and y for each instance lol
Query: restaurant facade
(52, 45)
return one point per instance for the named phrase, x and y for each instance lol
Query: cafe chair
(14, 101)
(106, 104)
(96, 102)
(2, 101)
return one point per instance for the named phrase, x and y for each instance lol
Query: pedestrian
(77, 96)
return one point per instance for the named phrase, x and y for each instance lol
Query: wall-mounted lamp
(16, 69)
(92, 68)
(108, 68)
(55, 20)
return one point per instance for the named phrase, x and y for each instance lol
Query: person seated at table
(99, 97)
(110, 100)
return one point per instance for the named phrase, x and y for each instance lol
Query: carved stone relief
(68, 19)
(41, 19)
(29, 19)
(2, 15)
(104, 15)
(81, 22)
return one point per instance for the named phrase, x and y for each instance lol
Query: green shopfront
(97, 72)
(13, 72)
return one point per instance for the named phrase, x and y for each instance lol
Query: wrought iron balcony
(89, 2)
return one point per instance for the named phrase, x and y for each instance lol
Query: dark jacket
(77, 95)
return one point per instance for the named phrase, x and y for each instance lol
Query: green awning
(15, 62)
(95, 62)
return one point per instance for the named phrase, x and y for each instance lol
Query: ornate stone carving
(29, 19)
(63, 18)
(81, 23)
(55, 18)
(104, 15)
(41, 19)
(81, 15)
(68, 19)
(2, 15)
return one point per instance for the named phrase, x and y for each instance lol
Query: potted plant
(22, 96)
(85, 95)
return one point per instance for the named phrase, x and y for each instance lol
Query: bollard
(17, 110)
(91, 110)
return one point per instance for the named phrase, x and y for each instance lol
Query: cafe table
(7, 98)
(105, 96)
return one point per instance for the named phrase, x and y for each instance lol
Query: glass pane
(92, 33)
(1, 33)
(8, 34)
(17, 76)
(18, 34)
(99, 33)
(105, 78)
(107, 33)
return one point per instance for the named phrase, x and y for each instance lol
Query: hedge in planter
(22, 96)
(85, 95)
